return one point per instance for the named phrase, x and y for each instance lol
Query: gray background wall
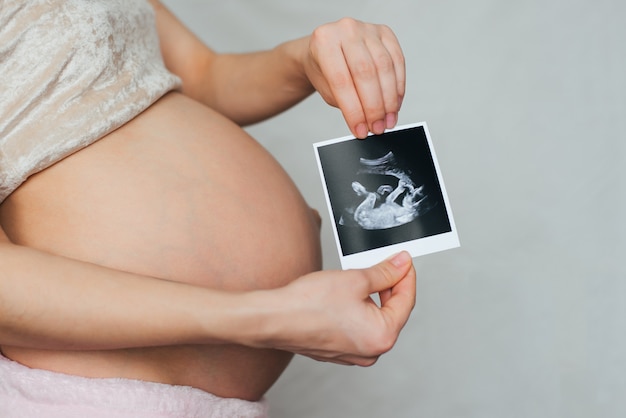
(526, 104)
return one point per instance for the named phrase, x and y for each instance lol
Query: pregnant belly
(182, 194)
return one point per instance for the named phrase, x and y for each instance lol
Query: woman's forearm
(53, 302)
(251, 87)
(247, 87)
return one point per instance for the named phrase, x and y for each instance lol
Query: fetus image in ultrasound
(384, 191)
(396, 201)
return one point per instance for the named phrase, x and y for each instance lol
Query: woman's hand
(359, 68)
(329, 315)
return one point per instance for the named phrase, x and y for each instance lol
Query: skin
(148, 256)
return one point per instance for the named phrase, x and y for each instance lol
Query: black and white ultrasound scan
(385, 194)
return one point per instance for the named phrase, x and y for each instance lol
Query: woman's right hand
(330, 316)
(358, 67)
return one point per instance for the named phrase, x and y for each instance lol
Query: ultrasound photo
(385, 194)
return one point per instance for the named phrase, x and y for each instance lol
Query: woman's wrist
(252, 318)
(295, 56)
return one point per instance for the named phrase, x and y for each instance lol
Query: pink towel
(32, 393)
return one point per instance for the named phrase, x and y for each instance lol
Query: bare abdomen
(178, 193)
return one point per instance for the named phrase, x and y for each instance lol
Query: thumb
(389, 272)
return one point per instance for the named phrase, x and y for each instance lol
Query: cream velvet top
(72, 71)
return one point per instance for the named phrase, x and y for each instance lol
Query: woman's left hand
(359, 68)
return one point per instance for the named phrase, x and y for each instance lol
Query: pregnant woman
(140, 275)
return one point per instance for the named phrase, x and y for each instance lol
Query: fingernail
(378, 127)
(391, 119)
(361, 131)
(400, 259)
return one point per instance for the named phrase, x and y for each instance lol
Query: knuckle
(384, 63)
(340, 80)
(364, 69)
(384, 272)
(384, 343)
(400, 59)
(373, 106)
(321, 35)
(386, 31)
(348, 23)
(387, 343)
(354, 115)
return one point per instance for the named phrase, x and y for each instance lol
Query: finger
(329, 360)
(350, 360)
(384, 296)
(343, 359)
(365, 361)
(392, 45)
(402, 300)
(385, 68)
(333, 65)
(364, 68)
(387, 273)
